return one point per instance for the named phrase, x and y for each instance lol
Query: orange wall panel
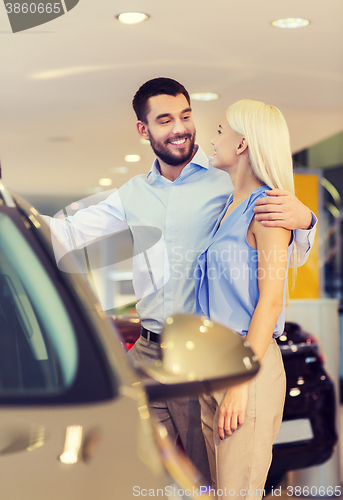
(307, 284)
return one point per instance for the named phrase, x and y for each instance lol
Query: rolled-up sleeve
(304, 239)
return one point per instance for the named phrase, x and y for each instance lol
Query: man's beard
(172, 159)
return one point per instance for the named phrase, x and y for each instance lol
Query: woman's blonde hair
(269, 147)
(266, 132)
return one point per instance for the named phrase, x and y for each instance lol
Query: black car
(74, 419)
(308, 435)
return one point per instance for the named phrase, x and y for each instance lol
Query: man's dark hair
(156, 86)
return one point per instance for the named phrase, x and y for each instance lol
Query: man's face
(170, 129)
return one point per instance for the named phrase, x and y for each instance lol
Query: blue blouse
(226, 281)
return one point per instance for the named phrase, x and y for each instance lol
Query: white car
(74, 420)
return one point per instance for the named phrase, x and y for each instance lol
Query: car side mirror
(198, 355)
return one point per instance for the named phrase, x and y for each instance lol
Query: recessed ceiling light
(144, 141)
(132, 17)
(290, 22)
(132, 158)
(105, 181)
(204, 96)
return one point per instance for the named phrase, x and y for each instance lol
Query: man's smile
(181, 142)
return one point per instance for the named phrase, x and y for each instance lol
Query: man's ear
(242, 146)
(142, 129)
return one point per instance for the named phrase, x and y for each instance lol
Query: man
(182, 196)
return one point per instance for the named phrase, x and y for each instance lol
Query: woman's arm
(272, 247)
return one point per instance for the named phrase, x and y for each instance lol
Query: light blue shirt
(226, 277)
(184, 211)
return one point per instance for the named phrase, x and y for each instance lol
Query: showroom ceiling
(66, 86)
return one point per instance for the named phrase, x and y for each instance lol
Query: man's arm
(87, 225)
(283, 209)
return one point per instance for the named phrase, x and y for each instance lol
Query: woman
(241, 283)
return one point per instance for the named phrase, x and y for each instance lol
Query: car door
(71, 426)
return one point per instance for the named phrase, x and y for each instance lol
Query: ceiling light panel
(105, 181)
(204, 96)
(290, 23)
(132, 17)
(132, 158)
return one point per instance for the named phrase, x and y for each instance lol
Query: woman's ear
(242, 146)
(142, 129)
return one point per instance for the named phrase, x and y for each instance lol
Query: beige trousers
(240, 463)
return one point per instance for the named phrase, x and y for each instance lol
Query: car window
(39, 353)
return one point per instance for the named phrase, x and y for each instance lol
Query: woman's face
(225, 145)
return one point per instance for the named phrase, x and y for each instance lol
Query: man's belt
(153, 337)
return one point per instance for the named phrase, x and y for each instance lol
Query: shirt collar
(199, 160)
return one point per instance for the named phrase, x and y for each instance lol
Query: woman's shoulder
(267, 235)
(260, 192)
(256, 194)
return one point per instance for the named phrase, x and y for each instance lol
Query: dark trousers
(180, 416)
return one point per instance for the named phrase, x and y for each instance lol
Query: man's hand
(282, 209)
(232, 409)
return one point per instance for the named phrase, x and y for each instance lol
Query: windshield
(39, 350)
